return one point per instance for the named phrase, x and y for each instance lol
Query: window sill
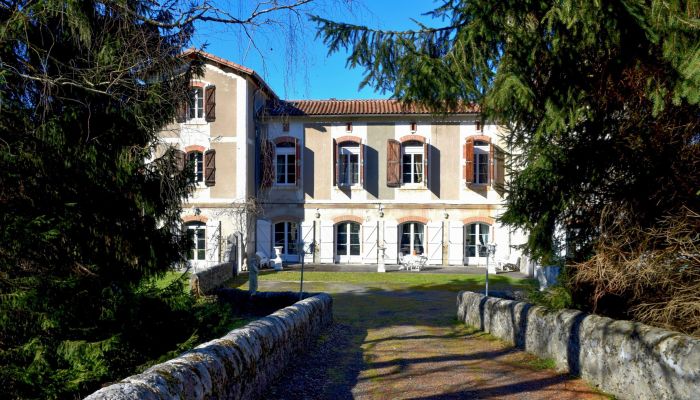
(196, 121)
(351, 187)
(285, 186)
(412, 186)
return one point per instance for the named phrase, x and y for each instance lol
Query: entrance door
(347, 242)
(476, 237)
(286, 236)
(411, 239)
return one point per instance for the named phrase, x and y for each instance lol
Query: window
(477, 236)
(347, 239)
(286, 236)
(196, 103)
(412, 238)
(349, 165)
(196, 231)
(481, 162)
(197, 161)
(285, 164)
(412, 162)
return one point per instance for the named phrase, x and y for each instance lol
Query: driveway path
(407, 344)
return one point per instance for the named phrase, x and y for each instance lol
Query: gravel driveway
(407, 344)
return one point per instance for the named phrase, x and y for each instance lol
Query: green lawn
(418, 281)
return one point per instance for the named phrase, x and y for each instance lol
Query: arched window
(476, 239)
(197, 160)
(286, 236)
(348, 164)
(285, 163)
(347, 239)
(196, 231)
(412, 162)
(196, 103)
(411, 238)
(481, 162)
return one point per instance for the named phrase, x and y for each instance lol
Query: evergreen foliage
(86, 220)
(601, 99)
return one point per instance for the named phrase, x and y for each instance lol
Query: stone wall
(239, 365)
(626, 359)
(205, 281)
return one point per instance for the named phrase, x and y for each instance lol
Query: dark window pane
(354, 250)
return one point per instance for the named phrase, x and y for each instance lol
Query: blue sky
(304, 70)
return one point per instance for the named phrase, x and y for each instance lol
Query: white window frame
(348, 256)
(480, 253)
(287, 240)
(412, 150)
(346, 173)
(413, 234)
(198, 230)
(286, 152)
(198, 165)
(481, 152)
(197, 106)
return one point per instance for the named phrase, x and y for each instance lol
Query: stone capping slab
(210, 279)
(627, 359)
(239, 365)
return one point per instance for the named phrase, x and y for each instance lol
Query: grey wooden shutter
(297, 161)
(362, 164)
(181, 115)
(393, 163)
(210, 103)
(266, 155)
(180, 160)
(426, 164)
(210, 167)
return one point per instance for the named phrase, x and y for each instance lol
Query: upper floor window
(349, 165)
(196, 231)
(412, 162)
(285, 163)
(196, 159)
(200, 104)
(481, 162)
(196, 103)
(407, 161)
(484, 162)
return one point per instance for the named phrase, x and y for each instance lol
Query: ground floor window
(196, 231)
(347, 239)
(286, 236)
(412, 238)
(477, 237)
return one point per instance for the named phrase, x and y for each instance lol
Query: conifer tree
(85, 216)
(600, 99)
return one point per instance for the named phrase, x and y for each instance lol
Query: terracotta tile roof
(192, 52)
(350, 107)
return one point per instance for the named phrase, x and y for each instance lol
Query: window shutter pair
(393, 163)
(336, 164)
(210, 103)
(210, 167)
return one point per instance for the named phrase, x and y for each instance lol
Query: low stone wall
(626, 359)
(204, 282)
(239, 365)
